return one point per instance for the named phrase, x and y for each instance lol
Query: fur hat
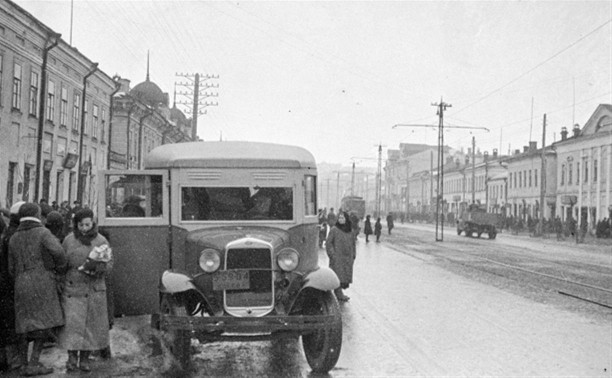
(29, 209)
(45, 209)
(15, 208)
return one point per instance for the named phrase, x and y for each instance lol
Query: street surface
(413, 313)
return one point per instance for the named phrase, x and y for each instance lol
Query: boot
(106, 353)
(34, 366)
(72, 365)
(14, 359)
(340, 295)
(84, 363)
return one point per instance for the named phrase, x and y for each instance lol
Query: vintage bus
(218, 241)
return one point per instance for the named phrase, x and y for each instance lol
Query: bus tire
(179, 340)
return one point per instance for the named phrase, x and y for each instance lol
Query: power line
(536, 66)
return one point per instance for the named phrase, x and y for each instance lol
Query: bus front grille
(259, 263)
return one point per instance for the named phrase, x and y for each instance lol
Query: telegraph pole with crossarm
(196, 96)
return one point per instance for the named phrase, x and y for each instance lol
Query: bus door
(133, 212)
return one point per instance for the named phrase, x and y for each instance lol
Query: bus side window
(134, 196)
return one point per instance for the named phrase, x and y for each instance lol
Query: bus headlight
(210, 260)
(288, 259)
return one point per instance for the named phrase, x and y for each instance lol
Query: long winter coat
(7, 292)
(37, 303)
(341, 250)
(84, 300)
(367, 226)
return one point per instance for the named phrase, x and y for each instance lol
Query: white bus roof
(229, 155)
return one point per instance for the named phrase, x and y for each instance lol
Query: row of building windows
(523, 179)
(94, 125)
(457, 185)
(567, 173)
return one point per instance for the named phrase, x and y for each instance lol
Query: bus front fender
(323, 279)
(175, 282)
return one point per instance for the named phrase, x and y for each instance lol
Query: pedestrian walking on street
(354, 224)
(558, 228)
(377, 229)
(84, 296)
(35, 256)
(331, 218)
(340, 246)
(10, 360)
(367, 228)
(322, 218)
(390, 222)
(55, 224)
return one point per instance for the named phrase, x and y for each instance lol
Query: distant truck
(353, 204)
(474, 219)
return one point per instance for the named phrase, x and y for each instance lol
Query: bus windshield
(236, 203)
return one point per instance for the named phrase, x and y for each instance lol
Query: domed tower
(149, 93)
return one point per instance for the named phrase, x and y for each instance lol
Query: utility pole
(473, 169)
(407, 190)
(327, 202)
(337, 190)
(440, 183)
(486, 180)
(543, 175)
(378, 180)
(353, 181)
(442, 106)
(196, 94)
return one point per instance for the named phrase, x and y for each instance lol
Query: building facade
(584, 169)
(54, 113)
(142, 121)
(525, 180)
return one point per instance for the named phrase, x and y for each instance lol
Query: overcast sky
(334, 77)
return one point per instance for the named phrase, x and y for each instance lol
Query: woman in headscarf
(35, 255)
(340, 246)
(84, 296)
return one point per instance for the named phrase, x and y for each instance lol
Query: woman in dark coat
(35, 255)
(340, 246)
(377, 229)
(367, 227)
(84, 297)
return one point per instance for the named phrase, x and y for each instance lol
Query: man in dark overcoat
(35, 254)
(9, 340)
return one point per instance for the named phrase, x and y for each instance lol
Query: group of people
(52, 288)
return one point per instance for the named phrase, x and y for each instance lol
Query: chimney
(576, 130)
(517, 151)
(486, 156)
(533, 146)
(525, 148)
(124, 85)
(563, 133)
(457, 163)
(495, 153)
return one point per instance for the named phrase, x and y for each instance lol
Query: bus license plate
(231, 280)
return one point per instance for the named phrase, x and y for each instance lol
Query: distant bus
(353, 203)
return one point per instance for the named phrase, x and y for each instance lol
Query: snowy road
(406, 317)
